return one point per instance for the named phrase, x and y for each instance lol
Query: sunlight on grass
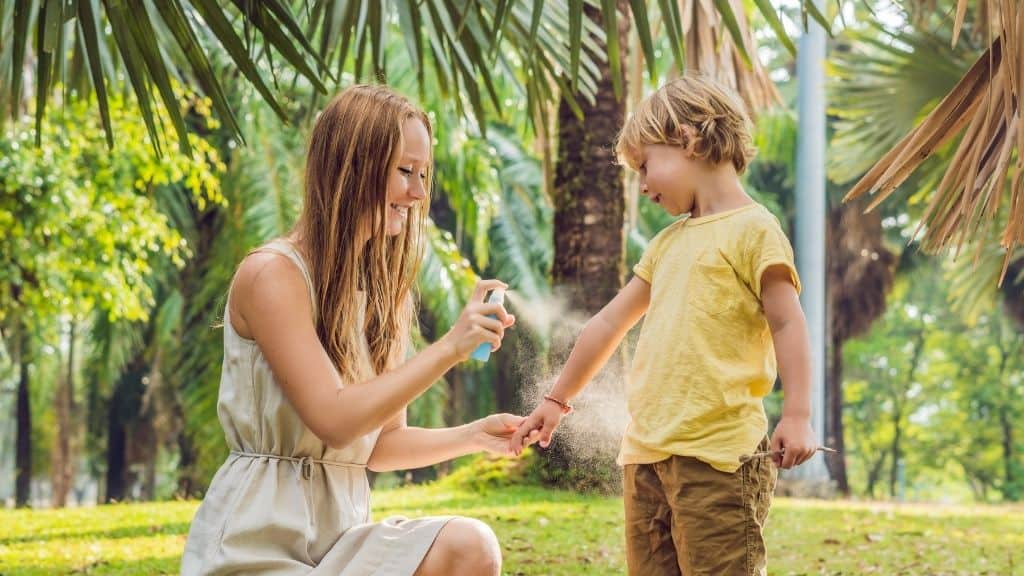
(555, 533)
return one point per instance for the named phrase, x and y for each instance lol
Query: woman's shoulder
(267, 279)
(268, 267)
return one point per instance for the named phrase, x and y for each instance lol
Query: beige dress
(283, 502)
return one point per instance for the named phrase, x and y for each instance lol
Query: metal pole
(810, 222)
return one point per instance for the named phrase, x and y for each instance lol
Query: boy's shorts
(685, 517)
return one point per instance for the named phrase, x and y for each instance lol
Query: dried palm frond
(985, 105)
(711, 48)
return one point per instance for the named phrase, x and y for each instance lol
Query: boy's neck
(718, 190)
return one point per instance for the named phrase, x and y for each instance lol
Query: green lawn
(546, 532)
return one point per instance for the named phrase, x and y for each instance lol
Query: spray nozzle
(483, 352)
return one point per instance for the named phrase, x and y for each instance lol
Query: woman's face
(407, 184)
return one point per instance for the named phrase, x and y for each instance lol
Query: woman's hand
(493, 433)
(474, 326)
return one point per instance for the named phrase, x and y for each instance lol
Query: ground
(554, 533)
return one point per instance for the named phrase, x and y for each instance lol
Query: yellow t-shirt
(705, 357)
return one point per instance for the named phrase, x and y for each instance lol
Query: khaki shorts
(685, 517)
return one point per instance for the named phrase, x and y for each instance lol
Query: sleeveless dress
(284, 502)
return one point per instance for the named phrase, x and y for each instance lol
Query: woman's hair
(696, 113)
(354, 148)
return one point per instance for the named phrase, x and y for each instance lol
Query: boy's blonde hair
(696, 113)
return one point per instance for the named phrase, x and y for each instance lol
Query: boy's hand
(539, 425)
(793, 442)
(492, 433)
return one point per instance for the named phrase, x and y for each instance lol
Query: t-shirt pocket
(711, 288)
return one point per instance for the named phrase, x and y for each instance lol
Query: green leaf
(284, 44)
(54, 17)
(812, 9)
(535, 15)
(674, 31)
(500, 14)
(136, 71)
(284, 16)
(643, 29)
(145, 41)
(22, 16)
(408, 18)
(225, 34)
(729, 17)
(772, 17)
(44, 67)
(377, 31)
(611, 33)
(89, 31)
(182, 31)
(575, 36)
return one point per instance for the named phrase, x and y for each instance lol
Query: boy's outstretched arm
(598, 341)
(793, 353)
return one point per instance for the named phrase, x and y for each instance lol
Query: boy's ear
(690, 136)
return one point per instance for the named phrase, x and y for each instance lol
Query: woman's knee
(470, 545)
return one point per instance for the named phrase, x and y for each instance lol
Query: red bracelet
(566, 408)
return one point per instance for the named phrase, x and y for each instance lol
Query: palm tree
(869, 66)
(152, 46)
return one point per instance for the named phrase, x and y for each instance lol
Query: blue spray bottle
(483, 352)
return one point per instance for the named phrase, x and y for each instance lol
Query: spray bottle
(483, 352)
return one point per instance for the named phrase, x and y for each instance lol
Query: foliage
(938, 394)
(79, 227)
(483, 472)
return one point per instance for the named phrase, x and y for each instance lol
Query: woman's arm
(400, 447)
(271, 299)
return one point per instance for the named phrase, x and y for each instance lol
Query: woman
(315, 381)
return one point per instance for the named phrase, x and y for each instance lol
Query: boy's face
(666, 175)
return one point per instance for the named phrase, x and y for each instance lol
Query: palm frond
(521, 231)
(882, 84)
(719, 42)
(985, 105)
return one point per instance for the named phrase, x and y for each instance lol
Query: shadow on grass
(122, 532)
(155, 565)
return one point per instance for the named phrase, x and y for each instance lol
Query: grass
(554, 533)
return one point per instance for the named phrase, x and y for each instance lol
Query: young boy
(720, 291)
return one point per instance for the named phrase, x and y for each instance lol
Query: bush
(484, 472)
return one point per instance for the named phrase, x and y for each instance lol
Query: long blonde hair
(354, 147)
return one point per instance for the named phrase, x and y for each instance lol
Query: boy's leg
(717, 517)
(649, 546)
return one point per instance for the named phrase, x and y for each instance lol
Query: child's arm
(792, 351)
(597, 342)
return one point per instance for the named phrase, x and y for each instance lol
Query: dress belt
(305, 462)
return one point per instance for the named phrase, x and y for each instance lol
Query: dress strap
(288, 250)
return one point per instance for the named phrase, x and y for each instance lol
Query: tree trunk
(62, 462)
(894, 470)
(874, 474)
(860, 276)
(589, 196)
(589, 201)
(23, 443)
(834, 432)
(186, 461)
(125, 405)
(1011, 492)
(115, 448)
